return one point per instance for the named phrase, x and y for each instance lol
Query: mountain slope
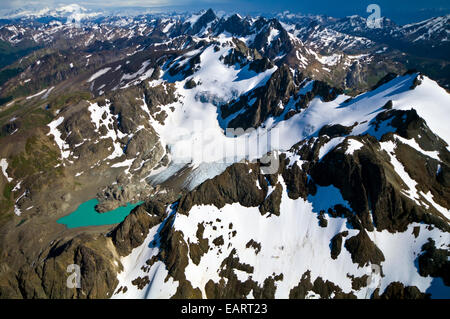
(261, 165)
(352, 192)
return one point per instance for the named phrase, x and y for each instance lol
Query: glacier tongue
(199, 139)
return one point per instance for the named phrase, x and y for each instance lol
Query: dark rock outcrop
(203, 21)
(434, 262)
(132, 232)
(235, 185)
(336, 244)
(363, 250)
(335, 130)
(280, 87)
(260, 65)
(397, 290)
(50, 278)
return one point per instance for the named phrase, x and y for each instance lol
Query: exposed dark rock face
(238, 185)
(388, 105)
(323, 222)
(301, 290)
(234, 185)
(335, 130)
(336, 244)
(190, 84)
(282, 43)
(409, 125)
(187, 69)
(348, 178)
(234, 57)
(203, 21)
(234, 25)
(367, 179)
(141, 282)
(397, 290)
(269, 100)
(359, 282)
(363, 250)
(417, 81)
(434, 262)
(156, 73)
(416, 231)
(133, 230)
(321, 89)
(254, 245)
(159, 95)
(242, 55)
(143, 143)
(325, 289)
(272, 202)
(49, 279)
(296, 181)
(279, 87)
(260, 65)
(352, 174)
(196, 251)
(233, 288)
(174, 253)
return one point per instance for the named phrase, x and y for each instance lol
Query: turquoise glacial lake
(86, 215)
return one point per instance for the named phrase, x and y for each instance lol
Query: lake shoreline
(85, 215)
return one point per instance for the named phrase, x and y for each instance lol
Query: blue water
(86, 215)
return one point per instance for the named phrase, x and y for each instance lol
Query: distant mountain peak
(62, 11)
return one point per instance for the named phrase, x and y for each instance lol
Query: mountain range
(291, 156)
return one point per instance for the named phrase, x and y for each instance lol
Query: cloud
(129, 3)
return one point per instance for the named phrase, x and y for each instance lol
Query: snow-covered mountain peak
(62, 11)
(287, 157)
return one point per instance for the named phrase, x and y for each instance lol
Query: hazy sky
(401, 11)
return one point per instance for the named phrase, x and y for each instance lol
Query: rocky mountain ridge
(259, 177)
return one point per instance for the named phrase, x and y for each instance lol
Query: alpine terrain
(212, 155)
